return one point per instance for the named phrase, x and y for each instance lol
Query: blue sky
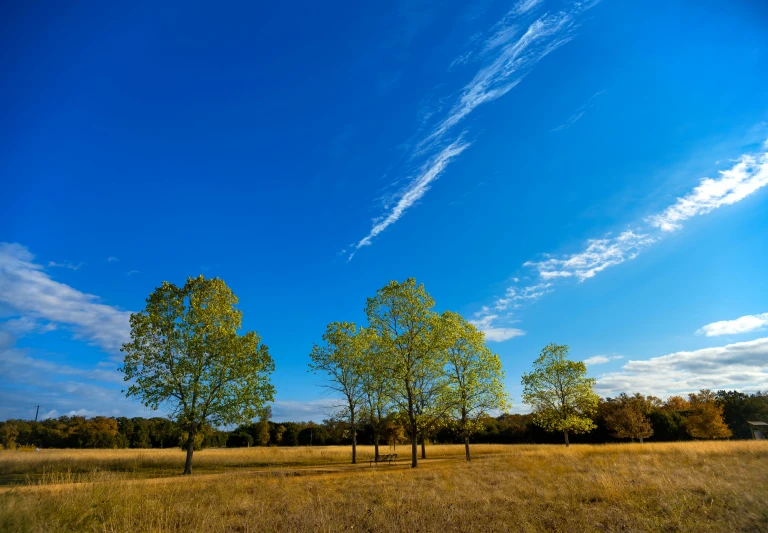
(586, 173)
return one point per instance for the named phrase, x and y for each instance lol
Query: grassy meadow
(689, 486)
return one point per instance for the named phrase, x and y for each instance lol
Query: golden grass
(170, 461)
(695, 486)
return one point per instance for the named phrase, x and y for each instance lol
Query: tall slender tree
(432, 385)
(376, 384)
(402, 318)
(186, 354)
(560, 392)
(475, 375)
(341, 359)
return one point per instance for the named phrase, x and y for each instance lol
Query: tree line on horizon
(667, 421)
(409, 374)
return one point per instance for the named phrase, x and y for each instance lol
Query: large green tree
(402, 318)
(341, 359)
(476, 379)
(560, 392)
(186, 354)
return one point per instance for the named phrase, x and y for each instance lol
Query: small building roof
(751, 423)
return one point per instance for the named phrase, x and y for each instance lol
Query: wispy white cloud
(508, 56)
(32, 295)
(524, 6)
(111, 259)
(415, 190)
(132, 272)
(17, 366)
(485, 323)
(596, 257)
(59, 388)
(742, 366)
(601, 359)
(66, 264)
(517, 294)
(743, 324)
(506, 70)
(24, 325)
(749, 174)
(576, 116)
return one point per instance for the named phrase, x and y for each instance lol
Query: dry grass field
(694, 486)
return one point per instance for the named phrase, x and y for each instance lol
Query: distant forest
(668, 420)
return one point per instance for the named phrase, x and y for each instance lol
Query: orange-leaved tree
(706, 418)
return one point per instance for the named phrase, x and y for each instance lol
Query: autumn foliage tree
(705, 420)
(627, 418)
(262, 428)
(8, 435)
(560, 392)
(186, 354)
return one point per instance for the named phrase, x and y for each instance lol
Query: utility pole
(37, 411)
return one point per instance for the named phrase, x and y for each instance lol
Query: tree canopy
(475, 376)
(402, 318)
(627, 417)
(186, 355)
(341, 359)
(560, 392)
(706, 418)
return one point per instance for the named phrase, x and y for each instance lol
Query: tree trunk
(376, 443)
(565, 433)
(354, 438)
(414, 434)
(190, 450)
(641, 440)
(466, 447)
(466, 432)
(423, 445)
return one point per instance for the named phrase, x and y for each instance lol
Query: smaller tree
(560, 392)
(393, 431)
(676, 403)
(276, 433)
(626, 418)
(8, 435)
(261, 437)
(341, 360)
(706, 418)
(375, 383)
(476, 379)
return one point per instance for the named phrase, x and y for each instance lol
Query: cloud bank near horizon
(742, 366)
